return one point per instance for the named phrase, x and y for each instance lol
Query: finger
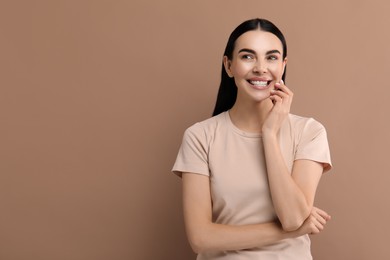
(322, 213)
(319, 218)
(281, 86)
(319, 214)
(276, 98)
(318, 224)
(280, 93)
(283, 91)
(314, 229)
(283, 96)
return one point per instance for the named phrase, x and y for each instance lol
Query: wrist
(269, 134)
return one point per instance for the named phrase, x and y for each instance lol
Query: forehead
(259, 41)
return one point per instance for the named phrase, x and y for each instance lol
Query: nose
(260, 67)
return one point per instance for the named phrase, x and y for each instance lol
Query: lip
(260, 79)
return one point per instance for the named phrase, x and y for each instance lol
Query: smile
(259, 84)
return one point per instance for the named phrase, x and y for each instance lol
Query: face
(257, 64)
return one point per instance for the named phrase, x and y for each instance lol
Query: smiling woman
(257, 59)
(250, 172)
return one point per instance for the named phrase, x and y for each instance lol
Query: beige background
(95, 96)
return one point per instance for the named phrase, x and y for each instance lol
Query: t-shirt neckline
(239, 131)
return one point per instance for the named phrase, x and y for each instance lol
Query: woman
(250, 172)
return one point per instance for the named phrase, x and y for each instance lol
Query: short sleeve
(193, 153)
(313, 144)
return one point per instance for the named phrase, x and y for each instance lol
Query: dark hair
(227, 92)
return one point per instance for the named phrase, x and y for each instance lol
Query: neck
(250, 117)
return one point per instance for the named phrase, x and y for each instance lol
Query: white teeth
(259, 83)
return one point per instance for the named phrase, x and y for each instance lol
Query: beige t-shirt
(234, 161)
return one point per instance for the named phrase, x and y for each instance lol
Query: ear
(284, 64)
(227, 64)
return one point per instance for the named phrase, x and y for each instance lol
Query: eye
(272, 57)
(247, 57)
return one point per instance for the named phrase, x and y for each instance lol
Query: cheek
(241, 70)
(276, 69)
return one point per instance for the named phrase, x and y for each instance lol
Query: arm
(205, 236)
(292, 193)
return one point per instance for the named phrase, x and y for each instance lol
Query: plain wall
(95, 96)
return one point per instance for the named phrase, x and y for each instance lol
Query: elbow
(197, 243)
(199, 236)
(290, 226)
(199, 240)
(197, 249)
(294, 223)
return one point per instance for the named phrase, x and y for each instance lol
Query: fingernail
(282, 81)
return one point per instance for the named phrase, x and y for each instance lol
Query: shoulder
(300, 123)
(206, 127)
(310, 139)
(201, 135)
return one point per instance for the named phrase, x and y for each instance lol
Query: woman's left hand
(282, 98)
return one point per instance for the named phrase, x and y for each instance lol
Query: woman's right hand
(315, 222)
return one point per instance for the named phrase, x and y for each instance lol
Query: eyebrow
(253, 52)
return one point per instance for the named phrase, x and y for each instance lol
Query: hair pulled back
(227, 92)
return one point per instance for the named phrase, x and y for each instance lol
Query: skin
(258, 55)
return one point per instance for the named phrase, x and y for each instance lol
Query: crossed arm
(292, 193)
(204, 235)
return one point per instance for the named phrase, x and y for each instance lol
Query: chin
(261, 98)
